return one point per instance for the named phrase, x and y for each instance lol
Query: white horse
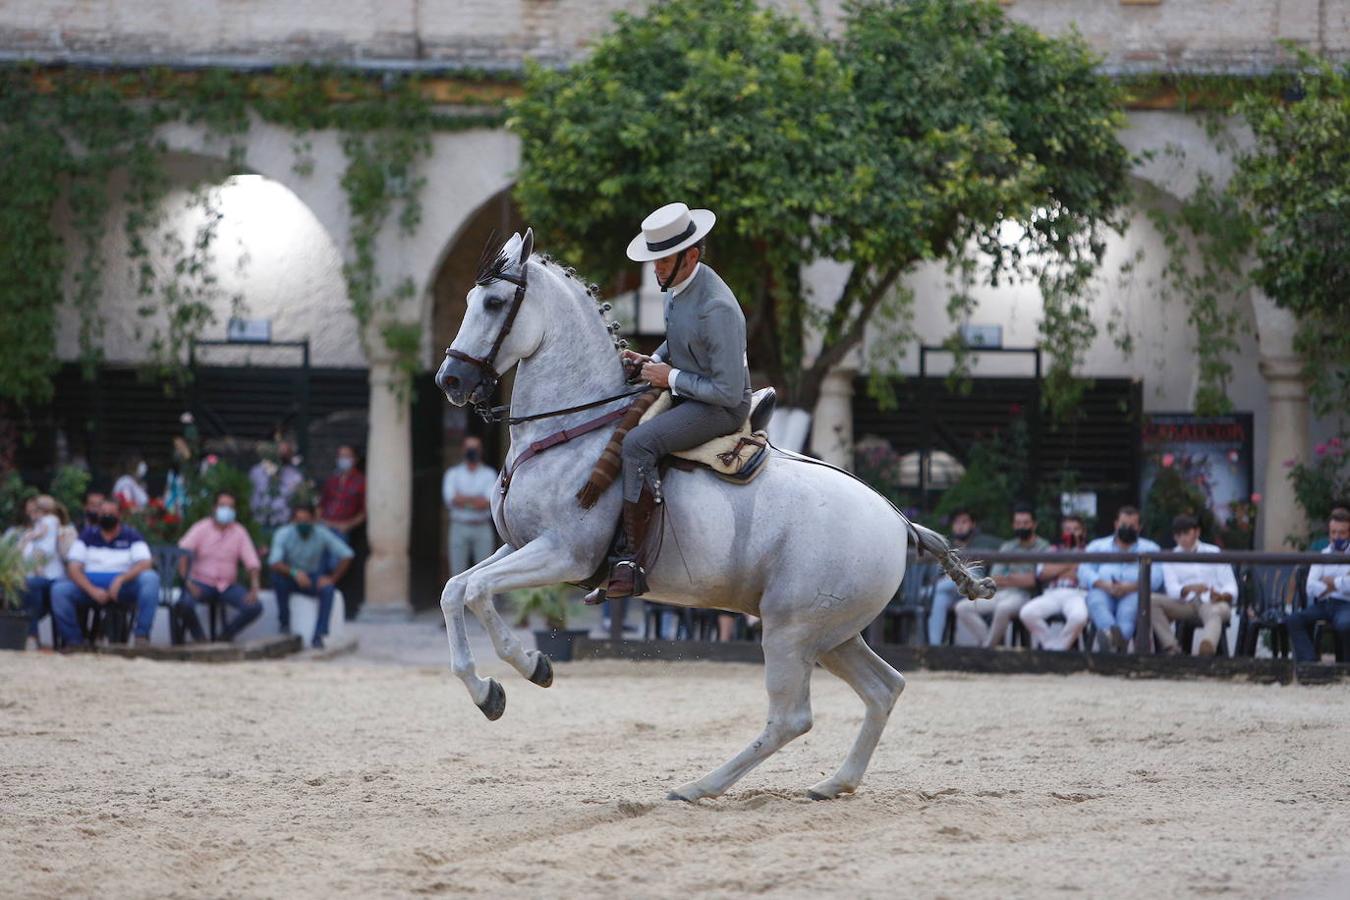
(813, 552)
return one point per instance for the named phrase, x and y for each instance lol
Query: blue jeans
(1300, 625)
(142, 592)
(945, 596)
(33, 594)
(285, 585)
(232, 596)
(1106, 611)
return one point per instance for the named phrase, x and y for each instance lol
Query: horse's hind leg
(787, 675)
(879, 686)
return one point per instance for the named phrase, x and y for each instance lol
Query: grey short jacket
(705, 340)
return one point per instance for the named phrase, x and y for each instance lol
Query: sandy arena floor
(303, 779)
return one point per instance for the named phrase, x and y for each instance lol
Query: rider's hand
(656, 374)
(631, 356)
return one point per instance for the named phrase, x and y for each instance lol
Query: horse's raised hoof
(543, 671)
(495, 704)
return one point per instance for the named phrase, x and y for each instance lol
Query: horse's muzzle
(459, 380)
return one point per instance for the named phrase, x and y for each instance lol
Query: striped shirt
(99, 554)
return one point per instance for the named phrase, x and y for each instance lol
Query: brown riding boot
(628, 578)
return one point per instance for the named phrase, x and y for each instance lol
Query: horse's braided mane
(492, 264)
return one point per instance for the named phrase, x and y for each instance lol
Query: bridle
(487, 364)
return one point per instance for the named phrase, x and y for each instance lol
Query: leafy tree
(1295, 182)
(923, 133)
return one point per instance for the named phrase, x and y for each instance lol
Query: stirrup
(639, 579)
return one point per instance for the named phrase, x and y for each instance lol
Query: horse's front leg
(540, 562)
(461, 656)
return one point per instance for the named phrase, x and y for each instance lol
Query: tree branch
(833, 352)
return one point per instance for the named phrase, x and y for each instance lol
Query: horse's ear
(527, 246)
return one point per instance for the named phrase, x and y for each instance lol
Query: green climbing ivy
(65, 134)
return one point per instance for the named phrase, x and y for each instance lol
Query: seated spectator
(109, 563)
(1322, 541)
(40, 546)
(965, 534)
(1328, 595)
(1113, 588)
(219, 545)
(1198, 592)
(1062, 595)
(129, 490)
(296, 561)
(1015, 582)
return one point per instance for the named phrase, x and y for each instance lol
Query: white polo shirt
(1216, 577)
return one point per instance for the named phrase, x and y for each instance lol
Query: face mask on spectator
(108, 523)
(304, 529)
(1128, 534)
(91, 517)
(345, 463)
(1341, 545)
(1024, 534)
(224, 514)
(141, 469)
(472, 455)
(1068, 540)
(962, 535)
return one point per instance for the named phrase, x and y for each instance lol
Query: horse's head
(499, 327)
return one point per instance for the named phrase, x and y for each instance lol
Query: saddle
(737, 457)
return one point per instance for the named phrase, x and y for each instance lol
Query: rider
(702, 362)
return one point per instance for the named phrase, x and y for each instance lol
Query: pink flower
(1320, 449)
(1167, 460)
(1289, 463)
(1335, 442)
(1256, 498)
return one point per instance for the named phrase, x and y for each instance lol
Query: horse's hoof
(676, 795)
(495, 704)
(543, 671)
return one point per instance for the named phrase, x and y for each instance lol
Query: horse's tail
(966, 581)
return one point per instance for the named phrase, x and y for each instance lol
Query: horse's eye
(494, 302)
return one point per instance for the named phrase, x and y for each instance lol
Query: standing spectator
(965, 533)
(1015, 582)
(219, 545)
(109, 563)
(342, 507)
(1113, 588)
(1197, 592)
(1062, 595)
(342, 503)
(129, 489)
(296, 562)
(1328, 595)
(275, 480)
(40, 546)
(467, 490)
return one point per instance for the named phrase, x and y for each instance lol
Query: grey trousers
(683, 426)
(470, 544)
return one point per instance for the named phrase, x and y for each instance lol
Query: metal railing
(1143, 632)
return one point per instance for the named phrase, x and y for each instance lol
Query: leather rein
(493, 414)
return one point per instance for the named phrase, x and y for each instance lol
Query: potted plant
(13, 617)
(552, 604)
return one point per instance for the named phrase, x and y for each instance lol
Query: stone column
(1287, 425)
(1287, 434)
(388, 494)
(832, 423)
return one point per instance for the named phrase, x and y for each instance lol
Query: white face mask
(224, 514)
(345, 463)
(141, 469)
